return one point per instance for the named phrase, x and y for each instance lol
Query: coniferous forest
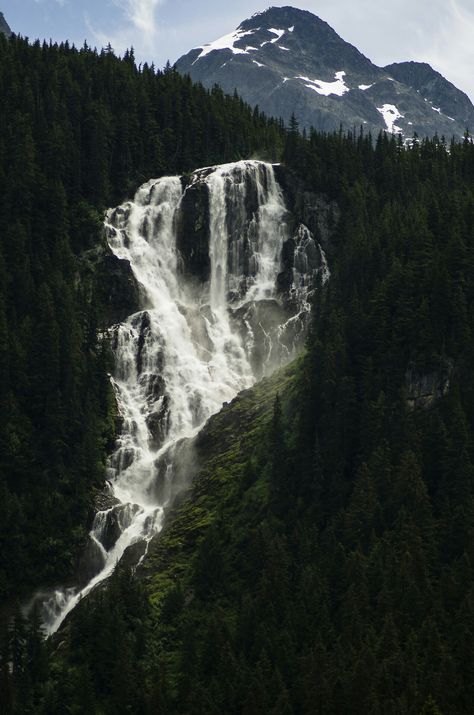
(331, 570)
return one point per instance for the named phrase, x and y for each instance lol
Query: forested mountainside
(322, 560)
(79, 132)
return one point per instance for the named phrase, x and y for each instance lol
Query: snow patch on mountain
(279, 34)
(364, 87)
(227, 42)
(337, 87)
(438, 109)
(390, 114)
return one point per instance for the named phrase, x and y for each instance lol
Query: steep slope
(438, 91)
(290, 61)
(220, 454)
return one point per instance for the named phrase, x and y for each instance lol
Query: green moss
(223, 448)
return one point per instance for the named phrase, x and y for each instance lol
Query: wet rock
(304, 268)
(108, 526)
(285, 277)
(108, 281)
(263, 343)
(314, 210)
(198, 320)
(158, 423)
(192, 232)
(105, 499)
(174, 471)
(133, 554)
(154, 386)
(111, 531)
(144, 330)
(117, 289)
(91, 563)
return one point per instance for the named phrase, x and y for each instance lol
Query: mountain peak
(286, 11)
(289, 61)
(286, 17)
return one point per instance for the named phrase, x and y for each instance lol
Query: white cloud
(136, 27)
(141, 14)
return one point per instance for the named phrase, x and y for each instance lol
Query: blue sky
(440, 32)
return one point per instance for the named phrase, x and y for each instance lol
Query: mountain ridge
(289, 61)
(438, 90)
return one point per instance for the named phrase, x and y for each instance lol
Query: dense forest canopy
(333, 572)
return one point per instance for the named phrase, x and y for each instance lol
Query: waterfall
(194, 345)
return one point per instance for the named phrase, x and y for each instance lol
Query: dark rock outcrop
(90, 563)
(110, 282)
(117, 288)
(314, 210)
(158, 423)
(193, 232)
(423, 389)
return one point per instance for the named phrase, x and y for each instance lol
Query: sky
(440, 32)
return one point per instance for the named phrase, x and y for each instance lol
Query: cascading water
(196, 343)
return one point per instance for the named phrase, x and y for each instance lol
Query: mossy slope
(220, 453)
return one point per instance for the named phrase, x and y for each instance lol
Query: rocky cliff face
(289, 61)
(440, 94)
